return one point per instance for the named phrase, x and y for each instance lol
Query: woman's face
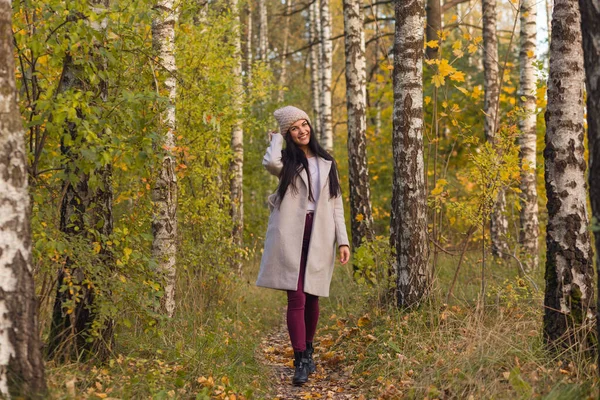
(300, 133)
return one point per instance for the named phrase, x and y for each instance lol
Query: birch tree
(326, 68)
(408, 226)
(356, 103)
(528, 235)
(491, 84)
(249, 57)
(590, 27)
(237, 139)
(569, 269)
(164, 192)
(263, 30)
(21, 364)
(286, 34)
(314, 23)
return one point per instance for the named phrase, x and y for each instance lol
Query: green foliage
(372, 261)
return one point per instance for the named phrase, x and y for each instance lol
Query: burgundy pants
(303, 308)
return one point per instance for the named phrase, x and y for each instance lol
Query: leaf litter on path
(331, 380)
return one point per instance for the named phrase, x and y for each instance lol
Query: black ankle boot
(309, 354)
(301, 368)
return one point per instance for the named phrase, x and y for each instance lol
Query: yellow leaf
(127, 252)
(431, 62)
(472, 48)
(443, 34)
(477, 40)
(530, 53)
(427, 100)
(467, 36)
(458, 76)
(437, 80)
(462, 90)
(360, 217)
(458, 53)
(364, 321)
(433, 44)
(445, 68)
(445, 104)
(457, 44)
(97, 247)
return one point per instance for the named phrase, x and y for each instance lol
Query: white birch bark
(491, 84)
(237, 140)
(315, 64)
(569, 268)
(263, 30)
(164, 193)
(286, 34)
(590, 27)
(549, 7)
(356, 103)
(528, 235)
(21, 364)
(408, 228)
(326, 69)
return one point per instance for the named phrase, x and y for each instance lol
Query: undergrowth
(438, 351)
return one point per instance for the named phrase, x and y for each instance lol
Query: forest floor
(331, 380)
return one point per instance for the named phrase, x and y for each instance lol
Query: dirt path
(330, 381)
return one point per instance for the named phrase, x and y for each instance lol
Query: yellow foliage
(433, 44)
(458, 76)
(472, 48)
(445, 68)
(437, 80)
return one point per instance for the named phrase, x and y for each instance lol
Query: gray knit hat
(287, 115)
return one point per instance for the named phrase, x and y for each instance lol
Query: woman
(307, 219)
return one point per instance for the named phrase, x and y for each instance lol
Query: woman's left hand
(344, 254)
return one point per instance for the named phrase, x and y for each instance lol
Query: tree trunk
(263, 31)
(528, 235)
(590, 26)
(326, 68)
(315, 64)
(286, 34)
(249, 56)
(21, 364)
(356, 102)
(569, 268)
(164, 192)
(491, 83)
(82, 207)
(434, 24)
(408, 226)
(237, 142)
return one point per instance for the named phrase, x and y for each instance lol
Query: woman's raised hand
(344, 254)
(271, 133)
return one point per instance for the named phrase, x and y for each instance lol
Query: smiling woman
(306, 221)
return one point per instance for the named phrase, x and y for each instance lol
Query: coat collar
(324, 167)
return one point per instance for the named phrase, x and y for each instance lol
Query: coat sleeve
(272, 159)
(341, 236)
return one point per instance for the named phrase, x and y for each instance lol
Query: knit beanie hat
(287, 115)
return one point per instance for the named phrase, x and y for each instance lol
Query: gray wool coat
(280, 264)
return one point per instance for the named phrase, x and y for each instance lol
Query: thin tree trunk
(286, 34)
(491, 83)
(434, 24)
(528, 234)
(164, 192)
(21, 364)
(408, 226)
(315, 64)
(249, 56)
(237, 141)
(263, 31)
(356, 103)
(326, 68)
(569, 267)
(590, 26)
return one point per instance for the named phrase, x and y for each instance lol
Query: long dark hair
(294, 160)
